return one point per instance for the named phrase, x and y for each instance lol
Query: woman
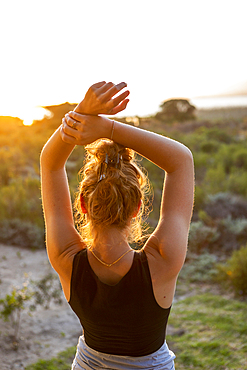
(122, 297)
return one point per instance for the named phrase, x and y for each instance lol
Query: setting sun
(35, 113)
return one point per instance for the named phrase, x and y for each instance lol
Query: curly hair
(112, 190)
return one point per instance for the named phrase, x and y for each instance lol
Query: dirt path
(46, 332)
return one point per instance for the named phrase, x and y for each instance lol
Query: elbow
(43, 156)
(188, 156)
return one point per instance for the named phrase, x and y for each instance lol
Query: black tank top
(123, 319)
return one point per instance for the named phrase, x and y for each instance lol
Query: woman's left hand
(78, 129)
(101, 99)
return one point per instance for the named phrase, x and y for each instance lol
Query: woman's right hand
(78, 129)
(99, 99)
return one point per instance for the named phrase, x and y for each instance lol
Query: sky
(52, 51)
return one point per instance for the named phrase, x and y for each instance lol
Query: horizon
(201, 103)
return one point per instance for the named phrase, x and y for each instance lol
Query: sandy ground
(46, 332)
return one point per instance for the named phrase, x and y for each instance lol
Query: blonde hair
(111, 199)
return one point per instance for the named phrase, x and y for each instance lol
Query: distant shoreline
(218, 102)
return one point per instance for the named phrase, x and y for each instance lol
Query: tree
(176, 109)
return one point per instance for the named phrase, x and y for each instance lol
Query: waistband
(88, 359)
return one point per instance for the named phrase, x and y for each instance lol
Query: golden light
(35, 113)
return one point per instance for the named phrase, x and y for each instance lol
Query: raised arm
(169, 239)
(62, 239)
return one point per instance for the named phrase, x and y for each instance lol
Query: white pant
(88, 359)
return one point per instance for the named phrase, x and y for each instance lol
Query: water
(220, 102)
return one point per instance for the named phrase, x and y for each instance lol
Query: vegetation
(62, 362)
(13, 305)
(176, 109)
(234, 272)
(217, 249)
(27, 298)
(209, 333)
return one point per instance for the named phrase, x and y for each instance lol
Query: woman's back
(122, 319)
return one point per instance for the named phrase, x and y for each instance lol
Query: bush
(237, 227)
(21, 233)
(47, 289)
(240, 158)
(13, 304)
(202, 237)
(62, 361)
(199, 268)
(21, 199)
(215, 179)
(237, 182)
(209, 146)
(215, 133)
(223, 205)
(234, 272)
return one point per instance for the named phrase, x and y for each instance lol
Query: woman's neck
(110, 241)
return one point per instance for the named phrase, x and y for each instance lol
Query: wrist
(109, 126)
(81, 108)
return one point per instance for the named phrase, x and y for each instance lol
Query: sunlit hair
(114, 199)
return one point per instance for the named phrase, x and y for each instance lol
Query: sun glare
(36, 113)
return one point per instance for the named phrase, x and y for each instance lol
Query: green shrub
(209, 146)
(240, 158)
(237, 227)
(11, 164)
(201, 237)
(42, 293)
(47, 290)
(216, 133)
(21, 233)
(200, 268)
(199, 198)
(234, 272)
(21, 199)
(223, 205)
(215, 179)
(225, 156)
(63, 361)
(13, 305)
(237, 181)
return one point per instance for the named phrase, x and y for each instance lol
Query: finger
(77, 116)
(119, 98)
(66, 138)
(71, 136)
(69, 130)
(113, 91)
(71, 122)
(105, 88)
(98, 84)
(119, 108)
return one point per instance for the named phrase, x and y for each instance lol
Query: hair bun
(107, 151)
